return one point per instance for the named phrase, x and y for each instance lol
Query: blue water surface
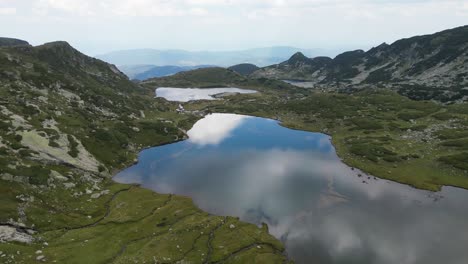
(324, 211)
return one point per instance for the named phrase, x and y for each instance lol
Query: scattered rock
(58, 176)
(69, 185)
(9, 234)
(11, 178)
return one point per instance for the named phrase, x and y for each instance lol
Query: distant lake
(322, 210)
(302, 84)
(191, 94)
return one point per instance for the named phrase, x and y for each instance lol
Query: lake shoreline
(366, 183)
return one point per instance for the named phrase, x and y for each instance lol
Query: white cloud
(133, 8)
(299, 9)
(101, 26)
(82, 8)
(7, 11)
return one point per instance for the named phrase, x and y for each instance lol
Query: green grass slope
(68, 122)
(420, 143)
(214, 77)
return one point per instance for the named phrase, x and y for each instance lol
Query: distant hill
(422, 67)
(214, 77)
(132, 70)
(204, 78)
(9, 42)
(143, 72)
(244, 68)
(259, 56)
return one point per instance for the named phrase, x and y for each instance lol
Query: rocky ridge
(423, 67)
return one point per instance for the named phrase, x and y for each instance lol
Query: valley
(69, 123)
(419, 143)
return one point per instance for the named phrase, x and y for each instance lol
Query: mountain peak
(298, 57)
(63, 57)
(56, 44)
(419, 67)
(244, 68)
(9, 42)
(61, 52)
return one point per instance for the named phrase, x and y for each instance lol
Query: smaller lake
(324, 211)
(302, 84)
(192, 94)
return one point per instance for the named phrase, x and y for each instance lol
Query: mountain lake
(191, 94)
(323, 210)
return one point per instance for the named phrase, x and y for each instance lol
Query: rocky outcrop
(10, 42)
(9, 233)
(423, 67)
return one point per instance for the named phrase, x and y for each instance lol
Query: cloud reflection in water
(213, 129)
(257, 170)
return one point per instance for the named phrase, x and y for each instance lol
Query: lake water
(302, 84)
(292, 180)
(190, 94)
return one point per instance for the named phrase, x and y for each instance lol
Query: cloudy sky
(96, 27)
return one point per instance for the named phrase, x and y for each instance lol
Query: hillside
(68, 122)
(422, 67)
(215, 77)
(244, 68)
(161, 71)
(9, 42)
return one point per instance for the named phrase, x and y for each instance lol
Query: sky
(97, 27)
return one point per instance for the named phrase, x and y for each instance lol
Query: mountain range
(423, 67)
(258, 56)
(143, 72)
(68, 122)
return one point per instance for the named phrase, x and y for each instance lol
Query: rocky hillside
(215, 77)
(422, 67)
(244, 68)
(9, 42)
(67, 123)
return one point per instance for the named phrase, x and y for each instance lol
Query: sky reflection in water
(293, 181)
